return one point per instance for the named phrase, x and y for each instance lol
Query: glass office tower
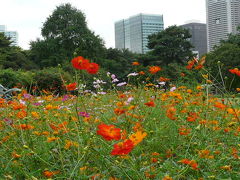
(13, 35)
(223, 17)
(199, 37)
(132, 33)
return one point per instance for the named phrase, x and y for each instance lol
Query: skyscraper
(132, 33)
(199, 37)
(13, 35)
(223, 17)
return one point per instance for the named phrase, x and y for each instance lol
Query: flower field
(127, 132)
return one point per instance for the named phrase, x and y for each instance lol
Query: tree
(171, 45)
(4, 41)
(13, 56)
(228, 54)
(66, 34)
(118, 61)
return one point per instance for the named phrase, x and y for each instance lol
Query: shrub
(51, 79)
(10, 78)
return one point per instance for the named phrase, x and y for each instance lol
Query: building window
(218, 21)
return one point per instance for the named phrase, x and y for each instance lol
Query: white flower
(22, 102)
(132, 74)
(102, 93)
(129, 99)
(121, 84)
(96, 86)
(162, 83)
(115, 80)
(173, 89)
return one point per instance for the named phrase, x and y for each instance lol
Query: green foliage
(179, 75)
(171, 45)
(117, 61)
(224, 57)
(10, 78)
(4, 41)
(12, 56)
(50, 79)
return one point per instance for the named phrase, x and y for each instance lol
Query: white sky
(27, 16)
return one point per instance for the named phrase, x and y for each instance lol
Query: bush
(50, 79)
(10, 78)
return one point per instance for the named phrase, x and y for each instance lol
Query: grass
(129, 132)
(46, 137)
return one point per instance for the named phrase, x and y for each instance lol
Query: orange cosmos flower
(235, 153)
(204, 153)
(182, 74)
(141, 73)
(80, 63)
(15, 155)
(21, 114)
(17, 106)
(71, 87)
(191, 63)
(235, 71)
(92, 68)
(49, 174)
(192, 116)
(109, 132)
(51, 139)
(171, 112)
(191, 163)
(122, 148)
(167, 178)
(118, 111)
(137, 137)
(70, 143)
(219, 105)
(24, 126)
(154, 69)
(184, 131)
(163, 79)
(150, 104)
(227, 167)
(35, 115)
(2, 100)
(135, 63)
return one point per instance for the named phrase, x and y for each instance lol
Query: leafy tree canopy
(171, 45)
(65, 34)
(13, 56)
(226, 56)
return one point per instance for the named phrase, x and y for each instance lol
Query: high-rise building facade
(199, 37)
(223, 17)
(13, 35)
(132, 33)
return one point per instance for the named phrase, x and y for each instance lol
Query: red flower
(71, 87)
(122, 148)
(80, 63)
(150, 104)
(92, 68)
(109, 132)
(235, 71)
